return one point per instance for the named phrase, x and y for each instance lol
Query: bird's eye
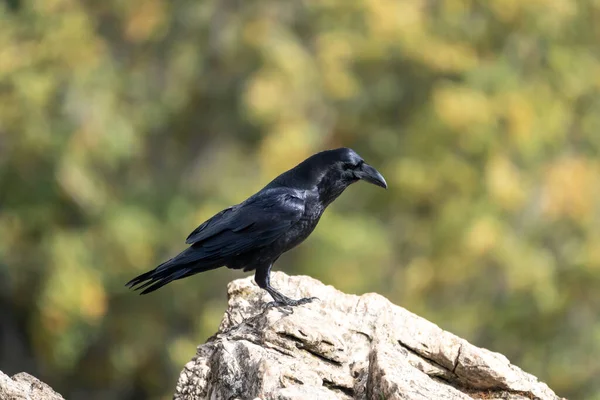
(347, 166)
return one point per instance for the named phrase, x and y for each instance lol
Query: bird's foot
(304, 300)
(288, 303)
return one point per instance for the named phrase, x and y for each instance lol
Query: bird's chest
(304, 227)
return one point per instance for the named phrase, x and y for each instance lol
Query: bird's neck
(329, 188)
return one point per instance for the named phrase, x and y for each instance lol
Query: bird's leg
(262, 278)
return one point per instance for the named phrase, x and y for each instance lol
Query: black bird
(253, 234)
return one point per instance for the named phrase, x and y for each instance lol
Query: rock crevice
(342, 347)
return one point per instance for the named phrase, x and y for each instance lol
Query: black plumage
(253, 234)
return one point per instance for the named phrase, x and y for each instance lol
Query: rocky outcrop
(342, 347)
(23, 386)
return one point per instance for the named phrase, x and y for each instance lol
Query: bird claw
(304, 300)
(287, 304)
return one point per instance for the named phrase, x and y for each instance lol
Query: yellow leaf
(569, 188)
(461, 107)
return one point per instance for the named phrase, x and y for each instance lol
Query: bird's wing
(212, 223)
(255, 223)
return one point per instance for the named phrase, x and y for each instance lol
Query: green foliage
(123, 125)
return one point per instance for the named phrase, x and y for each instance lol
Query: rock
(342, 347)
(23, 386)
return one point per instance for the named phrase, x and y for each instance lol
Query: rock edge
(23, 386)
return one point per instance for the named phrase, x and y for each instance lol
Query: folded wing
(248, 226)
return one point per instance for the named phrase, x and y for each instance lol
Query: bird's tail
(178, 267)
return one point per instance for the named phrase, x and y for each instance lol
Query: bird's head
(331, 172)
(350, 167)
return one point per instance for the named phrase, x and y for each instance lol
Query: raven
(253, 234)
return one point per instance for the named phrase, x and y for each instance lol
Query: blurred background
(125, 124)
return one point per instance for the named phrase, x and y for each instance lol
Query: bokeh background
(124, 124)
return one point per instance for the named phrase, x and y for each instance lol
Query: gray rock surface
(342, 347)
(23, 386)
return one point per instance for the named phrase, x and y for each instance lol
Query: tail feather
(158, 282)
(176, 268)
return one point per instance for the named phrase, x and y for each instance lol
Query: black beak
(371, 175)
